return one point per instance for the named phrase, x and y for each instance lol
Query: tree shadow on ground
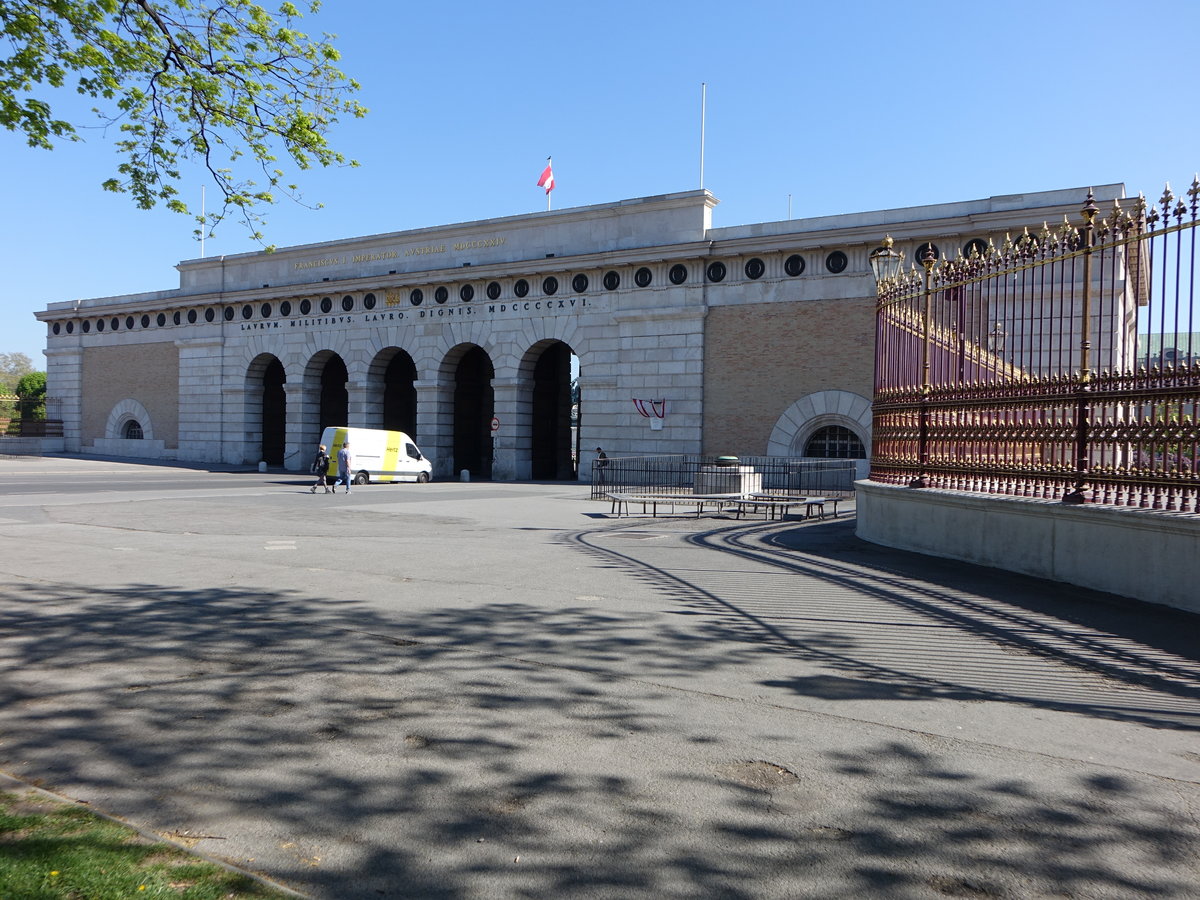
(882, 624)
(499, 750)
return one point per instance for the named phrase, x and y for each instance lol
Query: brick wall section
(147, 373)
(759, 359)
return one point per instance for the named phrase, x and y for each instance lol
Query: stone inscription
(545, 307)
(424, 250)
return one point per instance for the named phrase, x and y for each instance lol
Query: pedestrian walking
(320, 468)
(345, 467)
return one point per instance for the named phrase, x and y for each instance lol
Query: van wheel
(422, 478)
(362, 478)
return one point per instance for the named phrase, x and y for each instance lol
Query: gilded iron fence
(1063, 365)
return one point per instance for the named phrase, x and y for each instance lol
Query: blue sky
(845, 107)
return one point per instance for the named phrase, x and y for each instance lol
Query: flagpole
(703, 109)
(550, 163)
(203, 224)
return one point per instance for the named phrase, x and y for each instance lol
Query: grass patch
(55, 851)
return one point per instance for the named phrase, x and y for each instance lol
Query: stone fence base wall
(1143, 554)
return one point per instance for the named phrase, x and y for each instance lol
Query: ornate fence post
(1078, 493)
(928, 260)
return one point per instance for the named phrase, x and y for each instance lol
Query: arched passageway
(274, 413)
(400, 395)
(265, 411)
(553, 450)
(335, 401)
(474, 406)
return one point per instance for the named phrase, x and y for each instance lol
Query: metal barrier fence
(687, 474)
(1063, 365)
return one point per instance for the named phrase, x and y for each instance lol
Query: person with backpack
(320, 467)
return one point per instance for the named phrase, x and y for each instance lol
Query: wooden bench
(772, 507)
(778, 505)
(621, 502)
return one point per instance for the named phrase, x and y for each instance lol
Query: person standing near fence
(601, 464)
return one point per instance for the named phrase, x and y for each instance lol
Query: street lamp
(886, 261)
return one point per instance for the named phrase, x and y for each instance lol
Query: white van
(377, 455)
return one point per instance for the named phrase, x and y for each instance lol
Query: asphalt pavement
(497, 690)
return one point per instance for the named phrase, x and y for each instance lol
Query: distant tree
(182, 80)
(12, 367)
(31, 393)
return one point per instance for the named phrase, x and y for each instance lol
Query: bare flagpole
(703, 108)
(203, 224)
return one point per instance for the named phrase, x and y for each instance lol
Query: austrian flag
(547, 179)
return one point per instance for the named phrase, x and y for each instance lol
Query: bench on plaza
(779, 505)
(621, 502)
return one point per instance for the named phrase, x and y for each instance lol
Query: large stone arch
(466, 405)
(544, 444)
(264, 409)
(815, 411)
(390, 392)
(308, 404)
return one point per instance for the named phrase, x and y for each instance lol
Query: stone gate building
(684, 338)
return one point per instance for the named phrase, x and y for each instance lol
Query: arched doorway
(335, 401)
(553, 450)
(400, 395)
(274, 413)
(474, 406)
(265, 411)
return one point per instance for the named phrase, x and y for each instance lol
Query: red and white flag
(547, 179)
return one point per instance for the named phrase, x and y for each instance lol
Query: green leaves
(226, 84)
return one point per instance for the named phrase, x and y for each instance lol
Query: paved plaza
(495, 690)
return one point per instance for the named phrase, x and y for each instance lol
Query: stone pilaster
(64, 384)
(513, 416)
(435, 425)
(299, 442)
(200, 400)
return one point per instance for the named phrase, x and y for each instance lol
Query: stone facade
(747, 339)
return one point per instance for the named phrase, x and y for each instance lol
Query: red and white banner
(547, 179)
(648, 408)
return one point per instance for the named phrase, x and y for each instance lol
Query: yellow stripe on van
(339, 440)
(391, 455)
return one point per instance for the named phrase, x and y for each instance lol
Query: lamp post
(885, 262)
